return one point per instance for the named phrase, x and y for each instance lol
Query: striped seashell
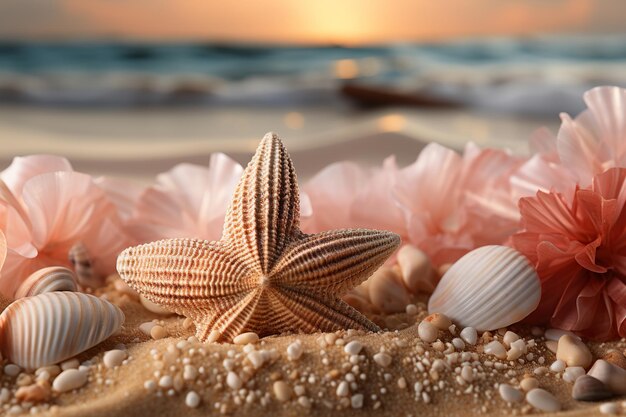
(54, 278)
(81, 261)
(489, 288)
(54, 326)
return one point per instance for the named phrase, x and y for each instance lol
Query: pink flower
(578, 246)
(585, 146)
(187, 201)
(344, 195)
(454, 203)
(45, 209)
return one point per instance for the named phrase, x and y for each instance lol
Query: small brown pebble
(282, 391)
(333, 374)
(34, 393)
(529, 383)
(158, 332)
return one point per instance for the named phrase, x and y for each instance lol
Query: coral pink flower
(579, 249)
(454, 203)
(45, 209)
(187, 201)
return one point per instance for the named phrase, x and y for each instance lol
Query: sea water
(524, 75)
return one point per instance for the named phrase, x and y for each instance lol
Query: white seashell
(51, 327)
(489, 288)
(82, 263)
(54, 278)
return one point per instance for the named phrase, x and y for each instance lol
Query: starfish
(264, 275)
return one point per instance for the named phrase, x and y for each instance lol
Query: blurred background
(131, 87)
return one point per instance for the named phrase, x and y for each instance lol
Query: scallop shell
(81, 261)
(489, 288)
(54, 326)
(54, 278)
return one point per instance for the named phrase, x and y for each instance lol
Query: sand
(120, 391)
(109, 141)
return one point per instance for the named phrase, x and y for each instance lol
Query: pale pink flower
(45, 209)
(344, 195)
(585, 146)
(454, 203)
(578, 246)
(187, 201)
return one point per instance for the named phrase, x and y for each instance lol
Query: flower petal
(616, 290)
(332, 192)
(24, 168)
(608, 107)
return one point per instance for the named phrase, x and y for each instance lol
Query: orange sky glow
(304, 21)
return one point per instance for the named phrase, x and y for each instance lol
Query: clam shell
(54, 278)
(489, 288)
(54, 326)
(81, 261)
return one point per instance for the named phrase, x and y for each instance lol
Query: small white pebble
(557, 366)
(192, 399)
(353, 348)
(542, 400)
(510, 394)
(294, 350)
(11, 369)
(467, 373)
(113, 358)
(189, 373)
(510, 337)
(427, 332)
(245, 338)
(496, 349)
(233, 381)
(68, 380)
(343, 389)
(382, 359)
(150, 385)
(469, 335)
(356, 401)
(411, 309)
(572, 373)
(609, 408)
(458, 343)
(166, 381)
(256, 358)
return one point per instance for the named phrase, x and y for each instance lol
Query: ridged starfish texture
(264, 275)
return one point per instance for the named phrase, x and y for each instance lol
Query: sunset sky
(309, 21)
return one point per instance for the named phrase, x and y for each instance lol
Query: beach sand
(142, 142)
(120, 391)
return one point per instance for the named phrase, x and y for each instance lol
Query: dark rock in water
(588, 388)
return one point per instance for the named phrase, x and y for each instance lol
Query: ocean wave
(500, 74)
